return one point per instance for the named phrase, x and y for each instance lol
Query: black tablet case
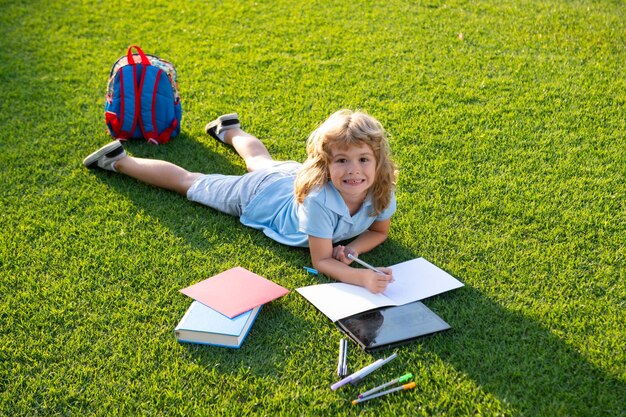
(391, 326)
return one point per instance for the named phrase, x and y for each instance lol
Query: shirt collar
(333, 201)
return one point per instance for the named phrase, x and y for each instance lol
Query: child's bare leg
(251, 149)
(156, 172)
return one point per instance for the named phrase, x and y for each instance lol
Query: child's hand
(376, 282)
(340, 253)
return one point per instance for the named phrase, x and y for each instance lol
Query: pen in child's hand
(365, 264)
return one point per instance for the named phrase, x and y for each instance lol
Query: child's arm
(324, 262)
(365, 242)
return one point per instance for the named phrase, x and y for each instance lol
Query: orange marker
(389, 391)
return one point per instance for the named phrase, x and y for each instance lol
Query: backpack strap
(149, 112)
(167, 133)
(129, 101)
(134, 101)
(131, 60)
(124, 125)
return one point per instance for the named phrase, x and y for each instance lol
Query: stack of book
(224, 307)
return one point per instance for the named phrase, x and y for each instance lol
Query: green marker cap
(406, 377)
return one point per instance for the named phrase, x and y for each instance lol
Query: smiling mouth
(354, 182)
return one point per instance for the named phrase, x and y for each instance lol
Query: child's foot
(106, 156)
(218, 127)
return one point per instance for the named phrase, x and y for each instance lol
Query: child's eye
(365, 159)
(341, 160)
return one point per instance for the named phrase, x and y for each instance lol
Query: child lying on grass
(344, 189)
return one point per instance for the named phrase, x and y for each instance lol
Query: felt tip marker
(389, 391)
(378, 364)
(344, 369)
(400, 380)
(357, 375)
(310, 270)
(342, 358)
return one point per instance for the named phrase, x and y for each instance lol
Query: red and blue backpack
(142, 98)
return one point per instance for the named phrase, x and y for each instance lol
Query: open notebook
(414, 280)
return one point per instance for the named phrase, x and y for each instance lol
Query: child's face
(352, 171)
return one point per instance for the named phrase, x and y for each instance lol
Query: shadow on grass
(200, 226)
(525, 364)
(518, 360)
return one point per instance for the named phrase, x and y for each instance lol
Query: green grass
(511, 143)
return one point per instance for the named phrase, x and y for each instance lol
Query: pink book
(235, 291)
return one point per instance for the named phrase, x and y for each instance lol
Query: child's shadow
(515, 358)
(200, 226)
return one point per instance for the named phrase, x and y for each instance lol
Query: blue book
(203, 325)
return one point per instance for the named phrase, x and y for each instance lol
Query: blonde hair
(342, 129)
